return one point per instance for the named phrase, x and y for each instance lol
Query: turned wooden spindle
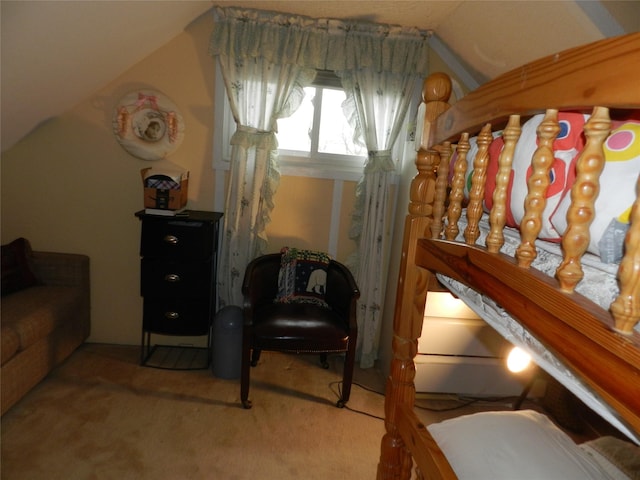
(456, 197)
(583, 196)
(442, 181)
(626, 307)
(498, 215)
(537, 186)
(478, 180)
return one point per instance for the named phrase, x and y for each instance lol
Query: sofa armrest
(61, 269)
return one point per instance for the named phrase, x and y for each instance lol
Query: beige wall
(70, 187)
(302, 216)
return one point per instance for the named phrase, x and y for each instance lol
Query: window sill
(310, 169)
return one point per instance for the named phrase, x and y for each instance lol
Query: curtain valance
(321, 44)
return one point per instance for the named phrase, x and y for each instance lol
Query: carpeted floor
(102, 416)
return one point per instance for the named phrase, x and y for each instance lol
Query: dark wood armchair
(297, 327)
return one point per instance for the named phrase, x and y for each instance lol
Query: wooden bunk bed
(598, 344)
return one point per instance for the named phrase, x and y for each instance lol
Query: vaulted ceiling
(57, 53)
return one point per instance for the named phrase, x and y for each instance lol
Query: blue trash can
(227, 343)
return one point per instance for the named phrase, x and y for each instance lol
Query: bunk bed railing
(583, 71)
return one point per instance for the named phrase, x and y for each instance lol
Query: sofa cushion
(17, 273)
(9, 343)
(37, 311)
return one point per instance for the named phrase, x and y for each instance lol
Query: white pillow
(512, 445)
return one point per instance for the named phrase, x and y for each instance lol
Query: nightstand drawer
(179, 239)
(166, 278)
(176, 317)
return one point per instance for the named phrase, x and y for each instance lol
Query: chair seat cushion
(299, 327)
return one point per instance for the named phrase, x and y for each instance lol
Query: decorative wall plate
(148, 125)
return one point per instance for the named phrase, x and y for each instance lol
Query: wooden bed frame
(599, 346)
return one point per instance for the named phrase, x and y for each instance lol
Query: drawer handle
(171, 315)
(171, 239)
(172, 278)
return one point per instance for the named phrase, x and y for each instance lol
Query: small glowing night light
(518, 360)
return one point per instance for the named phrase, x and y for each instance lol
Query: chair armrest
(61, 269)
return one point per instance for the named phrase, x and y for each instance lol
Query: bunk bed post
(395, 460)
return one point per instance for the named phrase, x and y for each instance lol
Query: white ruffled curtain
(266, 60)
(377, 103)
(257, 60)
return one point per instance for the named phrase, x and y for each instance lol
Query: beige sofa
(42, 321)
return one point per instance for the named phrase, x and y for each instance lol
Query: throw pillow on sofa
(16, 269)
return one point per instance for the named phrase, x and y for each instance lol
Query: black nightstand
(178, 284)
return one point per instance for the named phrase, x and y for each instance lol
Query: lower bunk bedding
(490, 445)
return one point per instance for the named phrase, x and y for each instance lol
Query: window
(318, 136)
(315, 141)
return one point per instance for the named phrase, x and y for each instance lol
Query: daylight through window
(319, 127)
